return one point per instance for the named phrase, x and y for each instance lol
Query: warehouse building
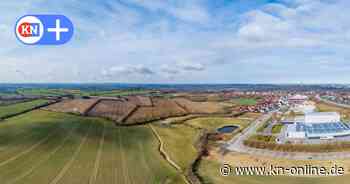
(321, 125)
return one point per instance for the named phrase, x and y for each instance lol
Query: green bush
(276, 129)
(263, 138)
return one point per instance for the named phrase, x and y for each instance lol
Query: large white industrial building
(319, 117)
(318, 125)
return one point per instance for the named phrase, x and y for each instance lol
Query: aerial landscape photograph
(175, 92)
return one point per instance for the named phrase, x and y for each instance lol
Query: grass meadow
(8, 110)
(245, 101)
(179, 143)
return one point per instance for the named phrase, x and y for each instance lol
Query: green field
(209, 170)
(20, 107)
(179, 143)
(43, 147)
(213, 123)
(245, 101)
(180, 139)
(79, 93)
(41, 92)
(115, 93)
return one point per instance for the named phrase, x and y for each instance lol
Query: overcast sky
(183, 41)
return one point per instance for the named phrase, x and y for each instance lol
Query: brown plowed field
(162, 108)
(199, 107)
(77, 106)
(140, 100)
(112, 109)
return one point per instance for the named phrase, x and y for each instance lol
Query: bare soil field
(250, 115)
(140, 100)
(215, 160)
(162, 108)
(199, 107)
(76, 106)
(325, 107)
(112, 109)
(137, 109)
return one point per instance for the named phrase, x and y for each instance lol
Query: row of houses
(265, 104)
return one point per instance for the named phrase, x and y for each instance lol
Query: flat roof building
(297, 99)
(318, 125)
(318, 117)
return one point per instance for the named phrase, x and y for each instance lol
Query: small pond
(227, 129)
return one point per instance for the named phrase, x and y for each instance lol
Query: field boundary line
(70, 162)
(43, 160)
(128, 114)
(38, 107)
(86, 112)
(26, 151)
(93, 177)
(182, 107)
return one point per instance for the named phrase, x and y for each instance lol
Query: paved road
(236, 144)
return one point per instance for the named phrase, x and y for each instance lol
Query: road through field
(236, 143)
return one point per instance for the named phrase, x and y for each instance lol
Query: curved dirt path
(165, 154)
(161, 149)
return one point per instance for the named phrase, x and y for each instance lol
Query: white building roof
(318, 117)
(291, 128)
(298, 97)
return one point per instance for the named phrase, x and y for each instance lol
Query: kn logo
(44, 29)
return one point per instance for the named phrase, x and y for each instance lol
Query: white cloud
(119, 43)
(190, 66)
(127, 70)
